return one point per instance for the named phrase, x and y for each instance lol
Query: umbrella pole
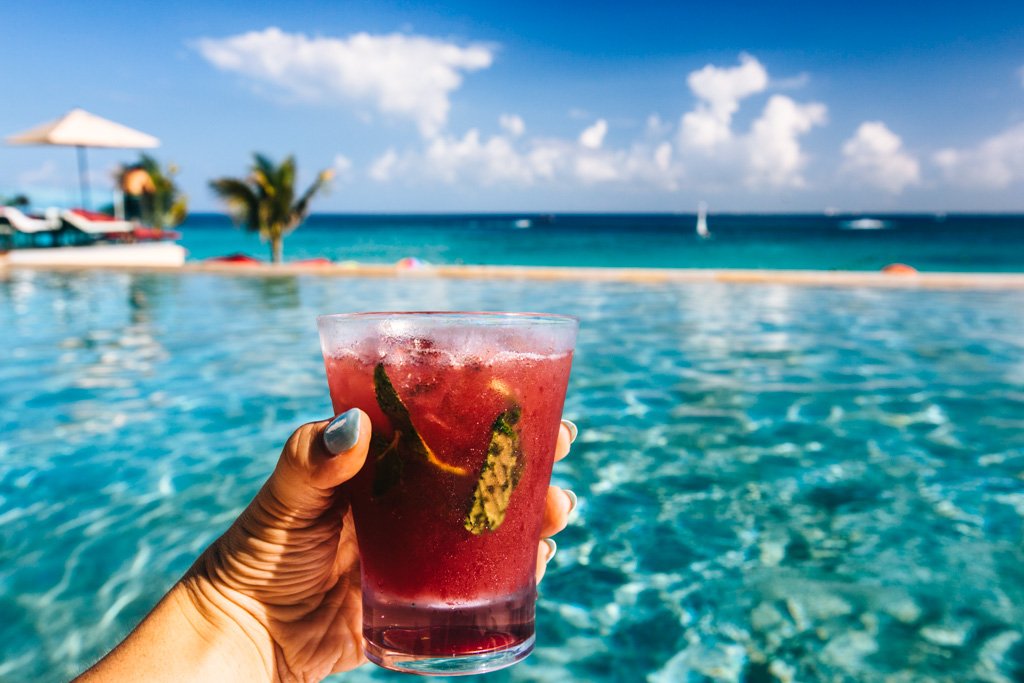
(83, 176)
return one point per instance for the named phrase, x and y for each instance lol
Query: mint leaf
(407, 443)
(499, 475)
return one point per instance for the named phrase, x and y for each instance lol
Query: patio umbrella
(78, 128)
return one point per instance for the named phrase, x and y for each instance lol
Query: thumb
(317, 458)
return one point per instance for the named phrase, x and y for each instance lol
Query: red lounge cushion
(237, 259)
(154, 234)
(92, 215)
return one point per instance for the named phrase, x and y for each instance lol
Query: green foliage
(18, 200)
(265, 201)
(158, 203)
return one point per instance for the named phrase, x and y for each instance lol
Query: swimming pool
(776, 483)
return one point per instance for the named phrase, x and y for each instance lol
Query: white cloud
(500, 159)
(591, 169)
(723, 88)
(719, 91)
(401, 75)
(593, 136)
(702, 152)
(384, 167)
(468, 159)
(774, 158)
(548, 158)
(875, 156)
(342, 167)
(656, 128)
(490, 161)
(994, 164)
(663, 156)
(512, 124)
(648, 166)
(768, 156)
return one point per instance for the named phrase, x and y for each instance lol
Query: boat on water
(865, 224)
(523, 223)
(702, 221)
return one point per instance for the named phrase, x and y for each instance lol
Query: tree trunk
(276, 249)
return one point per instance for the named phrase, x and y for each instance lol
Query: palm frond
(177, 213)
(286, 188)
(243, 204)
(264, 202)
(261, 163)
(301, 208)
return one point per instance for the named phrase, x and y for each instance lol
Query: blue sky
(548, 106)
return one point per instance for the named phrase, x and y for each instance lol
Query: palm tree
(159, 201)
(264, 202)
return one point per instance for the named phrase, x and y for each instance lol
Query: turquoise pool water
(776, 483)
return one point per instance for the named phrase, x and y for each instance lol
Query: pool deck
(810, 278)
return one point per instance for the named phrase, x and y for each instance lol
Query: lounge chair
(92, 223)
(28, 225)
(14, 222)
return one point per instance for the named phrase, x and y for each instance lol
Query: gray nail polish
(552, 548)
(343, 432)
(573, 500)
(573, 429)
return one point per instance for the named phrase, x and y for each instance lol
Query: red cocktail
(448, 508)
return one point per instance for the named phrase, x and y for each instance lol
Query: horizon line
(542, 214)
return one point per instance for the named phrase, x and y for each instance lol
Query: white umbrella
(78, 128)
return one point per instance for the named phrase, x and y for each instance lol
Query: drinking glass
(448, 507)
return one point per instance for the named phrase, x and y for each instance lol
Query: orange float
(899, 269)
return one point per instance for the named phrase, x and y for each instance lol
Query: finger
(341, 450)
(557, 507)
(545, 551)
(318, 457)
(566, 435)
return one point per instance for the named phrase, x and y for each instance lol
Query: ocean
(992, 243)
(776, 483)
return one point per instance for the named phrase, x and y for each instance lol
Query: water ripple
(775, 483)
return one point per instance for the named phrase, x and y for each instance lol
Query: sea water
(928, 242)
(776, 483)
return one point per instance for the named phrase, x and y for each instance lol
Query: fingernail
(552, 548)
(343, 432)
(572, 499)
(573, 429)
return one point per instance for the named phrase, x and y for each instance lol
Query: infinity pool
(776, 483)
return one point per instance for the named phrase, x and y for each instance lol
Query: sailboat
(702, 221)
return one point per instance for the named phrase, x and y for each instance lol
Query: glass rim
(490, 317)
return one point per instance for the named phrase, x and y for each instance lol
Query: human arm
(277, 597)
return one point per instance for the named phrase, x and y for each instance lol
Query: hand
(285, 576)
